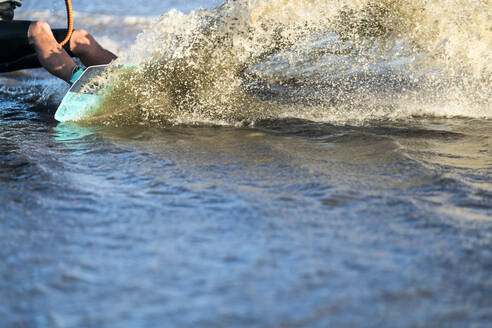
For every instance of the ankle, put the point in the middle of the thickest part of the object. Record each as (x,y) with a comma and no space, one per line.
(77,72)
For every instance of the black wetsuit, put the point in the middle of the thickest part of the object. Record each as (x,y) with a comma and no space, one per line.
(15,51)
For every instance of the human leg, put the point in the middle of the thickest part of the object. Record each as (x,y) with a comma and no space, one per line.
(56,60)
(16,51)
(50,54)
(90,52)
(27,44)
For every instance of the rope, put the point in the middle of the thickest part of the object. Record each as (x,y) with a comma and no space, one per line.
(68,4)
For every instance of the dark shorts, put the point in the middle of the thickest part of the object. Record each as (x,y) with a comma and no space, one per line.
(16,52)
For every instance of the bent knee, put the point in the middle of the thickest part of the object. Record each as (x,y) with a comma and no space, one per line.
(39,28)
(80,38)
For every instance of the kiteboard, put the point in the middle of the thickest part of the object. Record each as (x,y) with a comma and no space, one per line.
(84,97)
(80,102)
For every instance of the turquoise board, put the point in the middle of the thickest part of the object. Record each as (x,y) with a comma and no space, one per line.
(78,103)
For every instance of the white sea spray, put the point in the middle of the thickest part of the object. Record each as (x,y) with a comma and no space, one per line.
(336,61)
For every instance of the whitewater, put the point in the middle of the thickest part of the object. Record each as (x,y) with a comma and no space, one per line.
(330,61)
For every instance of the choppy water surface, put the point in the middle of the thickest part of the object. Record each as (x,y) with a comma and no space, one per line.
(353,202)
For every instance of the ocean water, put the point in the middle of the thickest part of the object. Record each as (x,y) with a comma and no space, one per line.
(266,164)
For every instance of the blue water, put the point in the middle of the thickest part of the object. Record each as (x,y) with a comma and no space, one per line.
(290,223)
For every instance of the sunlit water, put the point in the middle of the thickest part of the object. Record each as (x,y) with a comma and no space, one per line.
(319,220)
